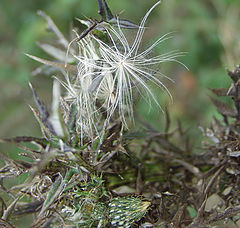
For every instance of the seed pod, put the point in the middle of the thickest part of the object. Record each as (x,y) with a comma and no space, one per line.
(124,211)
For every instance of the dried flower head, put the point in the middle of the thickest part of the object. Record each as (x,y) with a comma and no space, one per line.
(115,68)
(107,73)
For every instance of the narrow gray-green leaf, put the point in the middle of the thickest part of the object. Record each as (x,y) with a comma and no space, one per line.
(53,27)
(95,83)
(72,115)
(52,195)
(46,129)
(42,109)
(63,66)
(55,118)
(10,209)
(56,52)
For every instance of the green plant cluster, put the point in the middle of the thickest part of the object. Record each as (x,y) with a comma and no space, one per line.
(88,169)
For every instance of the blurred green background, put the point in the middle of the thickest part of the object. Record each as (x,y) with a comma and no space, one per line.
(208,31)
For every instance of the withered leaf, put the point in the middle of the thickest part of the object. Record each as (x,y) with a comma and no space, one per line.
(5,224)
(235,74)
(223,108)
(29,139)
(234,154)
(220,91)
(27,208)
(10,208)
